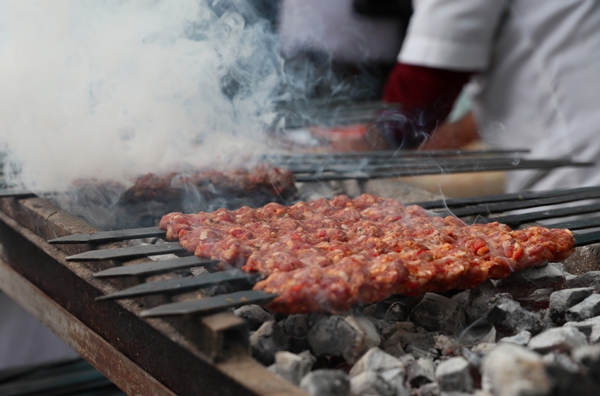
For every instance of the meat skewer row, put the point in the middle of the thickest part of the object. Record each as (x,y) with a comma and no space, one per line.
(327,255)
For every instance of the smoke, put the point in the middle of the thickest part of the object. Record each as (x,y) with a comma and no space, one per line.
(115,88)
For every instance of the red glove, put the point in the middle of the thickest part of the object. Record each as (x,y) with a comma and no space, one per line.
(426,96)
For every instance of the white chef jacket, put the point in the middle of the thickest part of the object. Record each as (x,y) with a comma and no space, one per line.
(539,80)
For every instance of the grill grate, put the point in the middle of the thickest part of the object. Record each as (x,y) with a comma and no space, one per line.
(493,207)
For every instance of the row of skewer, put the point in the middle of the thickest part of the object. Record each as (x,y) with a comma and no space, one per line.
(483,209)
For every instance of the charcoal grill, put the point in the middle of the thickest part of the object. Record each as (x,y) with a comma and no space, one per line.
(155,335)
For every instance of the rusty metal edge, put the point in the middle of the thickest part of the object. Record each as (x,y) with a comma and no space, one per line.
(121,371)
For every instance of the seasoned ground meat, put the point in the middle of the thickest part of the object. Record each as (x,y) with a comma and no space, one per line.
(262,179)
(327,255)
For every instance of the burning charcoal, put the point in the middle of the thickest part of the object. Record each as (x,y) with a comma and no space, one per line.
(595,335)
(481,304)
(559,338)
(385,328)
(454,375)
(513,370)
(586,309)
(521,339)
(376,360)
(463,297)
(254,315)
(589,279)
(326,383)
(348,337)
(410,339)
(509,317)
(538,299)
(296,325)
(589,357)
(293,367)
(371,383)
(562,300)
(522,283)
(584,259)
(266,341)
(447,346)
(431,389)
(421,372)
(568,377)
(397,312)
(376,310)
(438,313)
(585,326)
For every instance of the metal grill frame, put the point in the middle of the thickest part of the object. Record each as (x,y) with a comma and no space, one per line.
(195,356)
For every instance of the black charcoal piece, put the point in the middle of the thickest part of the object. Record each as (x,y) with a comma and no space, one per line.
(266,341)
(438,313)
(293,367)
(454,375)
(371,383)
(296,325)
(562,300)
(557,339)
(589,279)
(412,340)
(586,309)
(254,315)
(376,360)
(326,383)
(421,372)
(338,336)
(523,283)
(509,318)
(585,326)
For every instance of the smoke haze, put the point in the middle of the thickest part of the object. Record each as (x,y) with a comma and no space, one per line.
(115,88)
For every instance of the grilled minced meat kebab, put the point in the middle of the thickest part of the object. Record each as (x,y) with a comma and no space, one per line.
(326,255)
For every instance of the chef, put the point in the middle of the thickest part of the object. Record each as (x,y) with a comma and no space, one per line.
(534,75)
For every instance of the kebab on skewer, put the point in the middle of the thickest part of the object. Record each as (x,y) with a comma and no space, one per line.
(327,255)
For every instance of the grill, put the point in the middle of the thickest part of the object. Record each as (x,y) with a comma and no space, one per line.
(131,309)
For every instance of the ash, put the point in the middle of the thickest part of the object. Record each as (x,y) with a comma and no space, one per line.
(536,332)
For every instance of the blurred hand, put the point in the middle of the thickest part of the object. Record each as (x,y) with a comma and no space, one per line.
(353,138)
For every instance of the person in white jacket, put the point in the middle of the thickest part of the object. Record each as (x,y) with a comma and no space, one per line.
(534,70)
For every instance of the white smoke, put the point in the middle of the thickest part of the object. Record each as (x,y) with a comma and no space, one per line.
(116,88)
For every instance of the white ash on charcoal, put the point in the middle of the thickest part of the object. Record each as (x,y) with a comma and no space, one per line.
(409,339)
(585,259)
(293,367)
(523,283)
(454,375)
(561,300)
(349,337)
(557,339)
(254,315)
(438,313)
(326,382)
(585,326)
(371,383)
(522,339)
(269,339)
(588,308)
(508,317)
(589,279)
(420,372)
